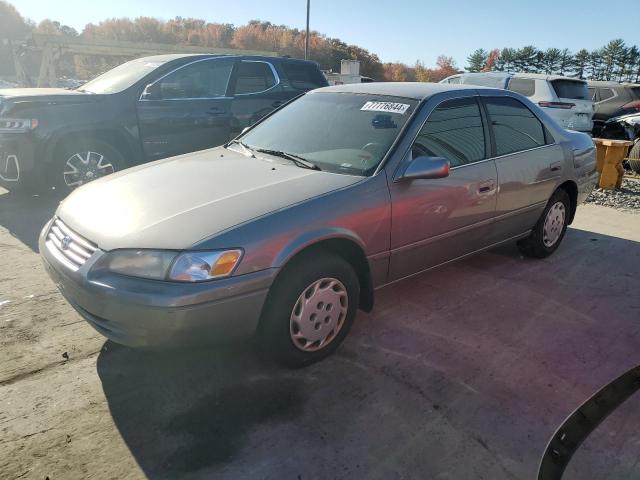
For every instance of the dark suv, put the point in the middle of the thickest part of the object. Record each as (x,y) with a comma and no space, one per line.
(143,110)
(612,99)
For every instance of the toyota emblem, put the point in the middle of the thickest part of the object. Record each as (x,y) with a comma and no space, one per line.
(65,242)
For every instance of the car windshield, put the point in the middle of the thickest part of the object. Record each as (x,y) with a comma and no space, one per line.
(339,132)
(121,77)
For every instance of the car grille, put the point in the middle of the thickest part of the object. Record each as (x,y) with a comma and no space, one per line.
(71,249)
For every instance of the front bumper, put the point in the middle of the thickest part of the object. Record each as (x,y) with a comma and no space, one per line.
(138,312)
(16,159)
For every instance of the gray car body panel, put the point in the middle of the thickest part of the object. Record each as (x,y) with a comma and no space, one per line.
(176,202)
(401,227)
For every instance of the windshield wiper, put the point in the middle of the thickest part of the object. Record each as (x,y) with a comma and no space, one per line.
(298,160)
(247,150)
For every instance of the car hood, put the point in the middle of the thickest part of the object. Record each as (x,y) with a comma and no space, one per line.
(43,95)
(175,203)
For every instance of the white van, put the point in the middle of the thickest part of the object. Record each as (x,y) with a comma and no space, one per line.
(565,99)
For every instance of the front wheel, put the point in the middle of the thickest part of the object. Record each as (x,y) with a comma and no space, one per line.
(78,163)
(550,229)
(310,309)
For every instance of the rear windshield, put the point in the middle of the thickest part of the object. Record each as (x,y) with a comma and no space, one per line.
(304,76)
(571,89)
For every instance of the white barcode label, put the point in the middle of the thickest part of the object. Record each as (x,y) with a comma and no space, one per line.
(389,107)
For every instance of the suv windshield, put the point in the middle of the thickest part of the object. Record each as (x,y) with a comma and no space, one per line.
(121,77)
(571,89)
(313,127)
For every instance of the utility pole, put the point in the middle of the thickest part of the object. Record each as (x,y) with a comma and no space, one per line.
(306,38)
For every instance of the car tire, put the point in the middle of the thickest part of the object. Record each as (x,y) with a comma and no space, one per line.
(91,160)
(306,316)
(550,229)
(634,158)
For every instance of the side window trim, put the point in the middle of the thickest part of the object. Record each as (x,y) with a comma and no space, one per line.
(226,95)
(235,78)
(494,147)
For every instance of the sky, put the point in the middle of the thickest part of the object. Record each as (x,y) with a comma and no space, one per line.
(400,30)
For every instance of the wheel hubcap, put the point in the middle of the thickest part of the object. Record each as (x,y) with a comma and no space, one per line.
(319,314)
(553,224)
(82,167)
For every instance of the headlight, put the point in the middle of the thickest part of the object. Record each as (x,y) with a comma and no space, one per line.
(140,263)
(15,125)
(168,265)
(200,266)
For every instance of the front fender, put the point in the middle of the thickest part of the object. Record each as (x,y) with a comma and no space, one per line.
(314,237)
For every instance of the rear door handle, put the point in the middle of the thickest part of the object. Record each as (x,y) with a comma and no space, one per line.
(277,104)
(215,111)
(555,166)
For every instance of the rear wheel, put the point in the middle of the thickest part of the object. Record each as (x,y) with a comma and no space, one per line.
(550,229)
(81,162)
(310,309)
(634,158)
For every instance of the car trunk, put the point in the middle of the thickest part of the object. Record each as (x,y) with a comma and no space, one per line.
(578,117)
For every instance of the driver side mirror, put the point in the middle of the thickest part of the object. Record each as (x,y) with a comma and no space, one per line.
(426,168)
(151,92)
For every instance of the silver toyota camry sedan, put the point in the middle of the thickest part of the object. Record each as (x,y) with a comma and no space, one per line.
(289,229)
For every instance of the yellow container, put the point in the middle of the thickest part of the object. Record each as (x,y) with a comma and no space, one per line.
(610,154)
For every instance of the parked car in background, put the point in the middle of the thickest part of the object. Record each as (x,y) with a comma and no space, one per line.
(565,99)
(287,230)
(143,110)
(612,99)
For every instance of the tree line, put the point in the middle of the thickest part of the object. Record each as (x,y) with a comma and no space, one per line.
(615,61)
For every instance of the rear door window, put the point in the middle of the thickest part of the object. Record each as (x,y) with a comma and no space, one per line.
(606,94)
(254,77)
(523,86)
(515,127)
(303,76)
(454,131)
(635,92)
(571,89)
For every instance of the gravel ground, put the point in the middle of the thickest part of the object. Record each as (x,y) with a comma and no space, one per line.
(627,198)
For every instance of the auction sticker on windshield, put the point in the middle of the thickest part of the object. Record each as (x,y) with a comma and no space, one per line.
(390,107)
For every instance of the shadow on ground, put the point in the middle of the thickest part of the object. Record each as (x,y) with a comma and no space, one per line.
(463,372)
(24,215)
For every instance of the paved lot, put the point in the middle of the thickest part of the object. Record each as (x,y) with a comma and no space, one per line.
(460,373)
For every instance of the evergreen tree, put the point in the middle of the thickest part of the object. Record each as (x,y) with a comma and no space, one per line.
(551,60)
(477,60)
(581,62)
(566,60)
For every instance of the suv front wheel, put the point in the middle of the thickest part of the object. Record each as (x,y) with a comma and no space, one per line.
(81,162)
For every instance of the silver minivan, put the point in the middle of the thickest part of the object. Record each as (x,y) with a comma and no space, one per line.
(289,229)
(565,99)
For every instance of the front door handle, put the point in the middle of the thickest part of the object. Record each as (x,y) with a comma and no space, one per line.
(215,111)
(486,187)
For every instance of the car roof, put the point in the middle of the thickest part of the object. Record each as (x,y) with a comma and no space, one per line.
(535,76)
(545,76)
(178,56)
(611,83)
(414,90)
